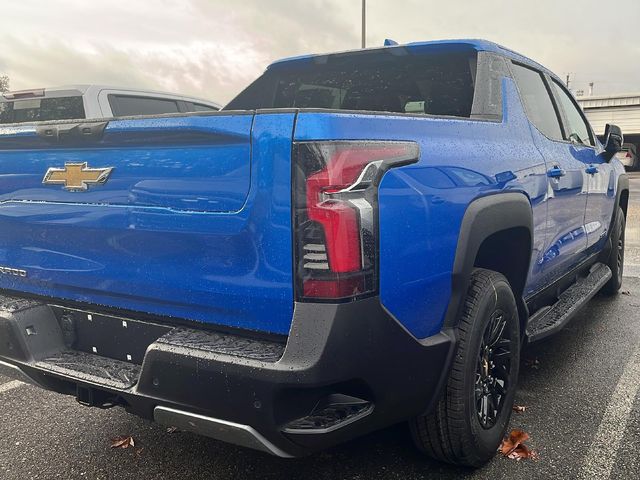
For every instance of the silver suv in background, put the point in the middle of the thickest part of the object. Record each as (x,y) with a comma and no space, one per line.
(93,101)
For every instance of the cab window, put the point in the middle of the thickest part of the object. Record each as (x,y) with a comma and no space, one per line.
(129,105)
(42,109)
(576,128)
(537,101)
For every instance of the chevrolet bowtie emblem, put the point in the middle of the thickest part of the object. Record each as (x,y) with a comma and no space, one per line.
(76,177)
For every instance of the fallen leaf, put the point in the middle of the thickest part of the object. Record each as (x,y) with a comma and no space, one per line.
(519,408)
(515,438)
(626,292)
(172,429)
(522,451)
(123,442)
(118,443)
(513,446)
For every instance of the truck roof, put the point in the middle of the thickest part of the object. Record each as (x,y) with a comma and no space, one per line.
(82,89)
(479,45)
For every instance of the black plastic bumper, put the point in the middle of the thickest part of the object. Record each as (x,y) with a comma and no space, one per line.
(268,395)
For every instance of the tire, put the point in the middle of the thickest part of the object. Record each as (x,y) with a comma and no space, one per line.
(616,256)
(455,431)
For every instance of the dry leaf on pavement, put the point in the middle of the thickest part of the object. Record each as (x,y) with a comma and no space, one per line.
(513,446)
(522,451)
(519,408)
(123,442)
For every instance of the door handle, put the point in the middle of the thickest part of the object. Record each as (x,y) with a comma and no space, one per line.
(556,172)
(591,170)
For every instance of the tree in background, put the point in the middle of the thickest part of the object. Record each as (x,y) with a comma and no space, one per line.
(4,83)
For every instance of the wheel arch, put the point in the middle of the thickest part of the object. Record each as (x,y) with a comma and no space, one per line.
(493,224)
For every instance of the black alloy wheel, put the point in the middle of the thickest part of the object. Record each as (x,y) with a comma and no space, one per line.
(492,373)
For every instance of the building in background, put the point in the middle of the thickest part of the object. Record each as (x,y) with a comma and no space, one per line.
(620,109)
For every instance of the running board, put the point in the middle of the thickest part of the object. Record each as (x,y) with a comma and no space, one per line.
(549,320)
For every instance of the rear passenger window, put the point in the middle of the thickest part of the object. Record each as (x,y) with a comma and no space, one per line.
(537,101)
(128,105)
(577,129)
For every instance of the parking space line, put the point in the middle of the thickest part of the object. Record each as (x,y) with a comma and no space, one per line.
(601,456)
(631,270)
(5,387)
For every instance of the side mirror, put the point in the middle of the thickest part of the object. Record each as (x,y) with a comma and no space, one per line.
(613,140)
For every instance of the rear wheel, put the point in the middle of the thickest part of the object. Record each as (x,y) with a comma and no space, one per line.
(470,420)
(616,256)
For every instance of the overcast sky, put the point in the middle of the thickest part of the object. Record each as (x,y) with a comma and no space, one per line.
(213,48)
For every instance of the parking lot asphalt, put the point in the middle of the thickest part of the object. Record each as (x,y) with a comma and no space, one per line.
(579,387)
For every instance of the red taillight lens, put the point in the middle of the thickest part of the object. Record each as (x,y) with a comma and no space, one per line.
(336,221)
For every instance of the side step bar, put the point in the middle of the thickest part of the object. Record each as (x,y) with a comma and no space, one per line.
(551,319)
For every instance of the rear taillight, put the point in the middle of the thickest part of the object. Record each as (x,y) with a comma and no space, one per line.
(336,214)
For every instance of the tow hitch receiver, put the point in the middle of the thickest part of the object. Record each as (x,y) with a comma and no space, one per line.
(90,397)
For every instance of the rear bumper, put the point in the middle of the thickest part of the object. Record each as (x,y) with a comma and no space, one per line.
(345,370)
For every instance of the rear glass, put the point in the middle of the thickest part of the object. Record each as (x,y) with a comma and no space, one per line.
(435,84)
(41,109)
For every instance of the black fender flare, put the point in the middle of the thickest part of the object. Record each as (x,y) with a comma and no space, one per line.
(623,186)
(484,217)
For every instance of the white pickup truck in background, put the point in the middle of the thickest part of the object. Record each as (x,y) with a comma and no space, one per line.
(93,101)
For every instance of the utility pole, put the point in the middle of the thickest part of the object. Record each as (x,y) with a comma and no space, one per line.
(364,23)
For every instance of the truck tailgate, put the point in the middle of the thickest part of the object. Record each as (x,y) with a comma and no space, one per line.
(190,219)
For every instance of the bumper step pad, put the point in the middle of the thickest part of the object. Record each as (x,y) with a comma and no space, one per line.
(551,319)
(93,369)
(224,344)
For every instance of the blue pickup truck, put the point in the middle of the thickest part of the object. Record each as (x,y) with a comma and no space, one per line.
(358,239)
